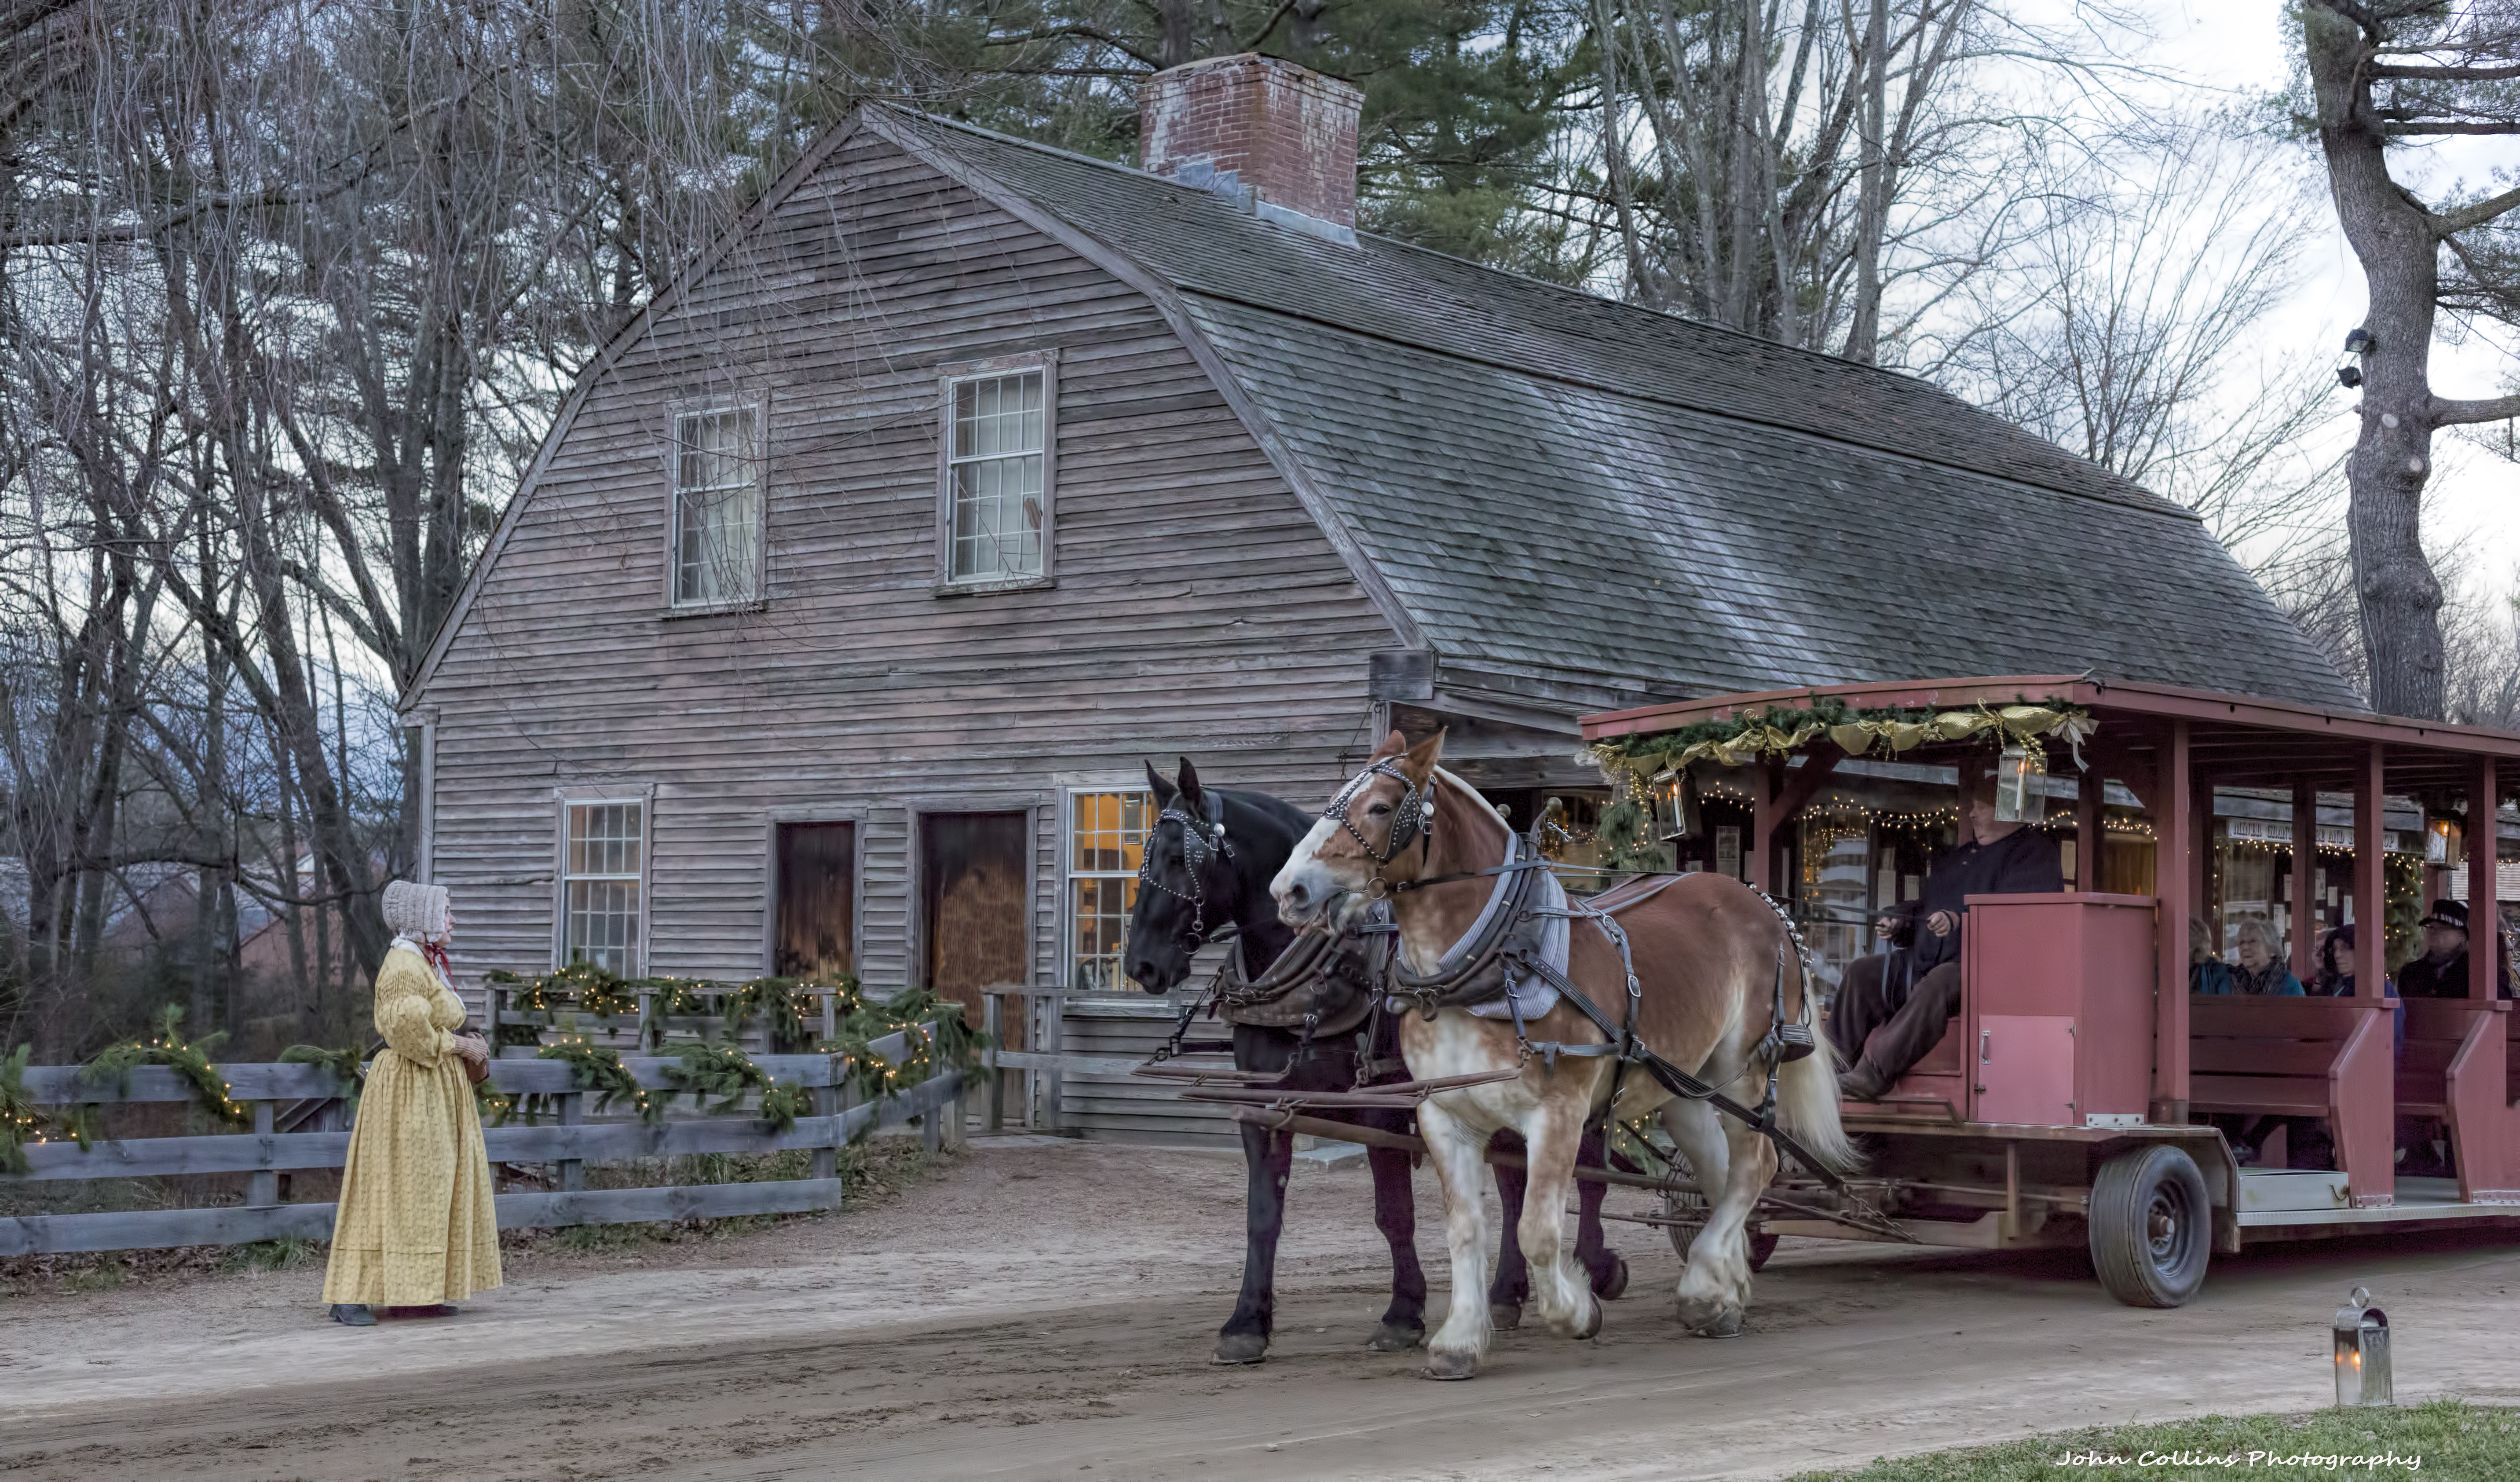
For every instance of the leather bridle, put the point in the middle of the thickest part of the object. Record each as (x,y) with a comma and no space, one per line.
(1202,838)
(1412,822)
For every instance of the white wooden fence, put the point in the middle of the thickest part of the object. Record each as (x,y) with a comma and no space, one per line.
(264,1155)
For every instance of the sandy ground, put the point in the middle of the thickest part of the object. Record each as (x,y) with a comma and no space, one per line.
(1046,1310)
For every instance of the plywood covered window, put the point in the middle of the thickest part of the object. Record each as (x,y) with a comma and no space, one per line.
(603,858)
(998,470)
(817,909)
(1107,842)
(975,888)
(716,551)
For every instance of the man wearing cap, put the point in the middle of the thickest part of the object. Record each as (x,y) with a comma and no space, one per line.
(2441,972)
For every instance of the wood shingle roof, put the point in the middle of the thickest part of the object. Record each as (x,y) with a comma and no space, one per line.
(1558,486)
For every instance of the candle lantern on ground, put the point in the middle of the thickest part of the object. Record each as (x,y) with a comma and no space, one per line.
(2362,1352)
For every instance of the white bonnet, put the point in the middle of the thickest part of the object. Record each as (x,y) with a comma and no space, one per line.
(418,912)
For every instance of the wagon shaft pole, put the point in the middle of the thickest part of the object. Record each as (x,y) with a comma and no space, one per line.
(1349,1132)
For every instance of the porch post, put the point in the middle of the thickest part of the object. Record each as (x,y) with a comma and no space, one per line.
(2371,876)
(1767,780)
(2174,836)
(2089,795)
(2305,881)
(2484,912)
(2200,864)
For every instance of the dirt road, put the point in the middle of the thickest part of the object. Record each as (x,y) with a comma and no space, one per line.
(1046,1312)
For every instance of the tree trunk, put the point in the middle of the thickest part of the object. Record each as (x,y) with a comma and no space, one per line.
(2392,237)
(1872,212)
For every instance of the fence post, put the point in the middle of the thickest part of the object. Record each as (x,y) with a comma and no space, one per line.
(262,1186)
(1054,1039)
(831,1013)
(647,1011)
(993,1022)
(827,1104)
(572,1114)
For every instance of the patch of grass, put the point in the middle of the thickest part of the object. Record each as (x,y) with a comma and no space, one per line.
(2443,1438)
(285,1254)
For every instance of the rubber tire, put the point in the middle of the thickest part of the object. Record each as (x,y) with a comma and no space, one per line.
(2138,1189)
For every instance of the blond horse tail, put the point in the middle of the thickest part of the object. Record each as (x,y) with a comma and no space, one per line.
(1807,1104)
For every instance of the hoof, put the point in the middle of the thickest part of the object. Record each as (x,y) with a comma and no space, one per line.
(1241,1348)
(1611,1284)
(1592,1322)
(1708,1321)
(1450,1365)
(1393,1337)
(1505,1317)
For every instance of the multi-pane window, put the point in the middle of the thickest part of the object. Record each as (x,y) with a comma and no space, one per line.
(717,506)
(602,862)
(1107,843)
(997,516)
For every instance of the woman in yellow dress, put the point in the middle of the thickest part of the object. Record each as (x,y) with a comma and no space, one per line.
(417,1228)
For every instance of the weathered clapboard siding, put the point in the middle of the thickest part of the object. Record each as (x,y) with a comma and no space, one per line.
(1198,607)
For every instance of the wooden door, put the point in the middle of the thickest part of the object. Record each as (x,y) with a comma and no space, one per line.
(976,899)
(818,880)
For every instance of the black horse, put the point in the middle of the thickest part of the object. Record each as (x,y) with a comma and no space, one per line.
(1209,859)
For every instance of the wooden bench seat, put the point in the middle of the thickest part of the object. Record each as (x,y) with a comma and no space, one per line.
(2329,1058)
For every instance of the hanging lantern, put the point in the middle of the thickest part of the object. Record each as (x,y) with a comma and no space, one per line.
(2362,1352)
(2445,843)
(2018,794)
(1676,807)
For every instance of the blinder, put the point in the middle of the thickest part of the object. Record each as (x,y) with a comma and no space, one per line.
(1413,822)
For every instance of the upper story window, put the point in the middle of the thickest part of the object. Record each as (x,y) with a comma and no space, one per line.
(1000,430)
(716,556)
(603,857)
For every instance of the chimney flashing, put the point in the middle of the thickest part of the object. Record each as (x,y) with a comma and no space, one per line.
(1298,221)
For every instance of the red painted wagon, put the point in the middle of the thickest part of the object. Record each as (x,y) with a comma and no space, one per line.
(2082,1095)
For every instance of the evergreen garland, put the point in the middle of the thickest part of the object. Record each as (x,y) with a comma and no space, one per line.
(1781,730)
(188,1059)
(348,1066)
(22,1121)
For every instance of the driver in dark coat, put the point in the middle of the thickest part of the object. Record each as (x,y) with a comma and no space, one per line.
(1881,1030)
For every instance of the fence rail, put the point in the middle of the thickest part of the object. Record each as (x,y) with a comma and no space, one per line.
(263,1154)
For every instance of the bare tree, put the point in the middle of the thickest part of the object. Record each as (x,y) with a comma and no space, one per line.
(2123,318)
(2382,73)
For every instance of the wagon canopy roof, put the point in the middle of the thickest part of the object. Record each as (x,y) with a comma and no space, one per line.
(2233,740)
(1582,492)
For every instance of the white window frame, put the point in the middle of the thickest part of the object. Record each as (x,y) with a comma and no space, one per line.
(645,800)
(1044,363)
(676,414)
(1068,875)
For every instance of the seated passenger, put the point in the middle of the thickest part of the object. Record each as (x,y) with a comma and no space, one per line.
(1885,1038)
(2206,973)
(2262,968)
(2441,972)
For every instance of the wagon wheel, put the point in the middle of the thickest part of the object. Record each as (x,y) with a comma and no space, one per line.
(2151,1227)
(1689,1208)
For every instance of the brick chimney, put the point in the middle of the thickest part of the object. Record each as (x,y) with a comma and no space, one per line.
(1259,129)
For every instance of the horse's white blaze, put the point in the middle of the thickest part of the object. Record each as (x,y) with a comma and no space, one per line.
(1321,886)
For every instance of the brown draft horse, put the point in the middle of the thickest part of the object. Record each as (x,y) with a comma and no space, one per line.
(1706,951)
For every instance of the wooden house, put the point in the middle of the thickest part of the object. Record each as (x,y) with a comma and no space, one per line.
(859,574)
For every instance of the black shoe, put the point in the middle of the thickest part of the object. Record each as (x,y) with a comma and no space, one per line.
(1863,1084)
(353,1315)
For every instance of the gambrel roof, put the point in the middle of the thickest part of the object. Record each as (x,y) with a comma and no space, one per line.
(1556,485)
(1578,499)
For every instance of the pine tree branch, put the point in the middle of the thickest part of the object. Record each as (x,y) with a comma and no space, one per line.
(2444,223)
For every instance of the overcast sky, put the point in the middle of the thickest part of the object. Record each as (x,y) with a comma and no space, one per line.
(2241,46)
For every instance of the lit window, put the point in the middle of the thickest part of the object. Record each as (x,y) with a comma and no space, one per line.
(717,506)
(997,477)
(603,860)
(1107,843)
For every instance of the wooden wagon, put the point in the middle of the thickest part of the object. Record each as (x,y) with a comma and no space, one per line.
(2082,1094)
